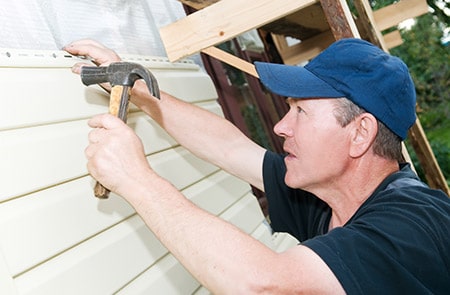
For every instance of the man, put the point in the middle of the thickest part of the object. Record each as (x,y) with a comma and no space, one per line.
(366,223)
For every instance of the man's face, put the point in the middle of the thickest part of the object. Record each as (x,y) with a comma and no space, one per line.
(316,145)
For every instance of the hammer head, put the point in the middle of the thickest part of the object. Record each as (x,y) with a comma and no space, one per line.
(120,73)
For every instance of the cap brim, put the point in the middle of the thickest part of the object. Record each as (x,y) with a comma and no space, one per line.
(294,81)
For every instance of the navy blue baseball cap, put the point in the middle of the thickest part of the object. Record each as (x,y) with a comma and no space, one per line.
(356,69)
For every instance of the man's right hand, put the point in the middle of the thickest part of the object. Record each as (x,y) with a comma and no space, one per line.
(205,134)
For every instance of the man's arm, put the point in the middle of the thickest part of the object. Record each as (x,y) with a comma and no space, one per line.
(205,134)
(221,256)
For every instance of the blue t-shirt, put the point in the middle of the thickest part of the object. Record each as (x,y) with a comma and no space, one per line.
(398,241)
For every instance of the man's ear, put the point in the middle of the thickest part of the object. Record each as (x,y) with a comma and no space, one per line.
(365,128)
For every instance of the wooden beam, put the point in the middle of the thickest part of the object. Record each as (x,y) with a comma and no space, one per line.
(418,138)
(340,19)
(232,60)
(433,173)
(198,4)
(302,24)
(394,14)
(309,48)
(366,19)
(393,39)
(211,26)
(303,51)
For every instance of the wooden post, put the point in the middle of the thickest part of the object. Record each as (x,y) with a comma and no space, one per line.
(426,157)
(255,14)
(211,25)
(419,141)
(340,19)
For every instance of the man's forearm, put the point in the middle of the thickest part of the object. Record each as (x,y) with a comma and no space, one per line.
(218,254)
(205,134)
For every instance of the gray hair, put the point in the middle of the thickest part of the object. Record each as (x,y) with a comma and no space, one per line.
(387,144)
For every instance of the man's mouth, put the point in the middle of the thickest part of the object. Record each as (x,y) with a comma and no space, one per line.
(288,153)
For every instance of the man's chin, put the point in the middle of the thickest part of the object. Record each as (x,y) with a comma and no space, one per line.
(292,183)
(296,184)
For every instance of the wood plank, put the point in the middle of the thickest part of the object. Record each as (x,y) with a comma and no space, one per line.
(232,60)
(419,141)
(341,23)
(366,19)
(394,14)
(208,27)
(426,157)
(305,50)
(393,39)
(302,24)
(340,19)
(198,4)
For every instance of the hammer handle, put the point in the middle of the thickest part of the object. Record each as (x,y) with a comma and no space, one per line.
(118,106)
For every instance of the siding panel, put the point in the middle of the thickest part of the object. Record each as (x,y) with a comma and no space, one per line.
(100,265)
(55,237)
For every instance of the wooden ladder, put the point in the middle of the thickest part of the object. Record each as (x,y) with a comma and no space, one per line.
(319,23)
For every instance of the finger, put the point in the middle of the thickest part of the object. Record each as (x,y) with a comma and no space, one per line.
(99,55)
(95,135)
(106,121)
(79,47)
(89,151)
(76,68)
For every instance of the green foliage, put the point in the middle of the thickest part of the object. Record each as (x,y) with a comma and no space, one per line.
(428,61)
(255,126)
(441,151)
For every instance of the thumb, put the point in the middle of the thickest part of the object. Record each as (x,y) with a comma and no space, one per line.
(76,68)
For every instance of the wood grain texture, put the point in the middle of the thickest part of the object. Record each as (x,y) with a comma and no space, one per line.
(212,25)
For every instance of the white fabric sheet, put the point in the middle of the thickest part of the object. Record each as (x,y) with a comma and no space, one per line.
(127,26)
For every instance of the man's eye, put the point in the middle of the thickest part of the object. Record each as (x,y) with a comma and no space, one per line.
(299,110)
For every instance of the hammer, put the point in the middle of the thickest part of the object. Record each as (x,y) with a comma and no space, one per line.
(122,76)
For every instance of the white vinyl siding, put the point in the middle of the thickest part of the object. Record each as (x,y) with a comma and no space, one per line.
(55,236)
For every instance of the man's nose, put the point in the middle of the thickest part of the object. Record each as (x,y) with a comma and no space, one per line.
(283,127)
